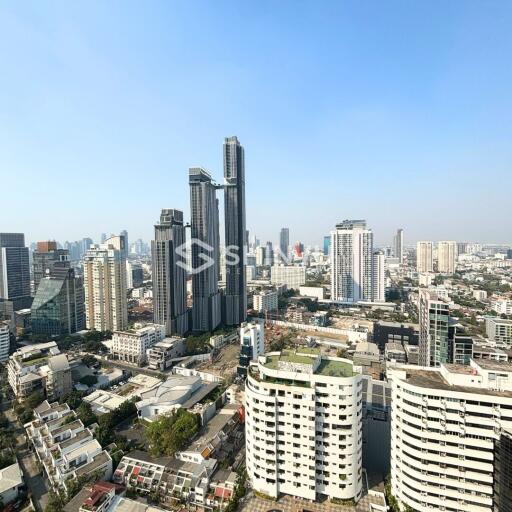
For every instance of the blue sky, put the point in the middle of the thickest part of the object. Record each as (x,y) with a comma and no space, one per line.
(397,112)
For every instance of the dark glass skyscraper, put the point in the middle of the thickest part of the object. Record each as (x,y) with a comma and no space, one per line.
(58,304)
(14,270)
(205,257)
(47,257)
(169,273)
(235,305)
(284,244)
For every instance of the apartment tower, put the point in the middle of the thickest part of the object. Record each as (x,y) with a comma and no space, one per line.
(205,248)
(169,273)
(235,299)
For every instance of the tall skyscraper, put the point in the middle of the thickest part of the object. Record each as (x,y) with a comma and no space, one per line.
(56,309)
(434,340)
(424,257)
(235,300)
(351,262)
(204,231)
(398,245)
(14,270)
(446,256)
(284,244)
(379,277)
(269,254)
(126,250)
(46,258)
(105,286)
(327,245)
(169,273)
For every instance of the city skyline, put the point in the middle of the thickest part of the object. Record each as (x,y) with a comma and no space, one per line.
(329,103)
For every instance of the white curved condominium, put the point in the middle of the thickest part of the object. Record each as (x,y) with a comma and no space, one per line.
(303,425)
(448,433)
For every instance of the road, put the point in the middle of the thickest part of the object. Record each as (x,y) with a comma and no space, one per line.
(36,483)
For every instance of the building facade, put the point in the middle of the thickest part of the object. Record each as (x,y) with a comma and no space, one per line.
(398,245)
(446,257)
(58,307)
(447,423)
(169,273)
(14,270)
(265,300)
(424,257)
(304,426)
(351,262)
(284,244)
(5,341)
(45,259)
(132,345)
(379,277)
(235,298)
(499,329)
(292,276)
(205,249)
(252,342)
(106,307)
(434,337)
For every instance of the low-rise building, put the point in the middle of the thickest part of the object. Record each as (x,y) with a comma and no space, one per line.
(384,332)
(64,446)
(316,292)
(499,329)
(40,367)
(502,306)
(479,295)
(161,354)
(395,352)
(487,351)
(11,483)
(131,345)
(175,392)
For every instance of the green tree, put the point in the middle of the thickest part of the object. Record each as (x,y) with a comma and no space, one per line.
(55,503)
(34,399)
(74,399)
(171,432)
(88,380)
(85,413)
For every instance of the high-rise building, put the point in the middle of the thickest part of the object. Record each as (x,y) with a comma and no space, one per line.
(260,256)
(424,257)
(46,258)
(265,300)
(5,341)
(446,257)
(252,343)
(204,230)
(56,310)
(434,339)
(14,270)
(135,275)
(235,298)
(269,254)
(327,245)
(450,429)
(126,250)
(105,286)
(169,273)
(398,245)
(284,244)
(351,262)
(303,425)
(379,277)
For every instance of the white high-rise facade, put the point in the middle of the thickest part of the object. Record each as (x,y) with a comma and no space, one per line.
(379,277)
(106,307)
(252,341)
(351,262)
(450,436)
(292,276)
(5,341)
(446,256)
(424,257)
(303,425)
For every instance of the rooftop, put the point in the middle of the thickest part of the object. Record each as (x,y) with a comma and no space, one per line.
(329,367)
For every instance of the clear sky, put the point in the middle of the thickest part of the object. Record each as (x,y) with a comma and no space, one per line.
(397,112)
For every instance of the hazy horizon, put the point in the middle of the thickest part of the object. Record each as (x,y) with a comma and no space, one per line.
(397,113)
